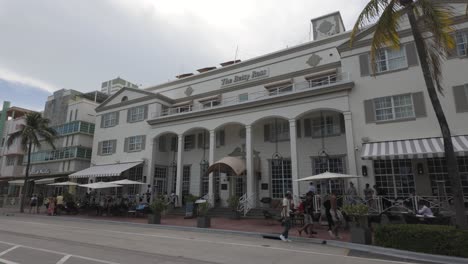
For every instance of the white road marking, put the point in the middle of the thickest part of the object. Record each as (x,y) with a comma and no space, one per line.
(5,261)
(68,228)
(65,258)
(8,250)
(53,252)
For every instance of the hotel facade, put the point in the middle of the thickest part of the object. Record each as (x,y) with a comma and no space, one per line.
(253,128)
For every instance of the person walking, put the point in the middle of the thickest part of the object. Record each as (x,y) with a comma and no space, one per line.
(351,194)
(51,209)
(286,215)
(312,188)
(33,203)
(336,215)
(307,209)
(369,195)
(59,204)
(40,202)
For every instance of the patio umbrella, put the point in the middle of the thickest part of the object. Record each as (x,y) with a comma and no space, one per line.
(100,185)
(67,183)
(328,176)
(126,182)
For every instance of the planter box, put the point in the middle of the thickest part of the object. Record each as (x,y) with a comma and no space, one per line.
(203,221)
(361,235)
(235,215)
(154,219)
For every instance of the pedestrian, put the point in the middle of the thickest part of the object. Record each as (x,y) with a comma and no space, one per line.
(351,194)
(307,208)
(40,202)
(369,195)
(312,188)
(336,215)
(33,203)
(59,204)
(286,215)
(51,209)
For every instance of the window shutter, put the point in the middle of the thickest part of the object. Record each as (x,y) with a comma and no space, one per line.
(307,128)
(298,128)
(99,151)
(461,98)
(143,143)
(266,132)
(418,104)
(364,64)
(145,112)
(411,55)
(222,138)
(342,124)
(369,111)
(128,114)
(162,144)
(114,145)
(126,145)
(102,121)
(117,117)
(200,140)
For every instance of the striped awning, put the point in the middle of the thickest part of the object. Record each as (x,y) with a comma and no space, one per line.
(413,148)
(104,170)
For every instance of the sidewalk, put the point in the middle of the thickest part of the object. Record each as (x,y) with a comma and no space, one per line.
(220,223)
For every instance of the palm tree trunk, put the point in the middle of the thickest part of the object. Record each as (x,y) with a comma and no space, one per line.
(26,178)
(452,166)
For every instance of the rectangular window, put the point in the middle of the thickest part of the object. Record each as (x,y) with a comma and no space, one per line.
(280,90)
(174,143)
(136,114)
(281,179)
(440,183)
(327,125)
(134,174)
(10,160)
(109,119)
(332,164)
(183,108)
(135,143)
(391,59)
(243,97)
(220,138)
(210,104)
(394,178)
(186,180)
(189,142)
(461,39)
(394,107)
(205,181)
(160,180)
(107,147)
(279,131)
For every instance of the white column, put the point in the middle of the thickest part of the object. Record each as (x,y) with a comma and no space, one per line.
(211,161)
(249,164)
(350,143)
(179,168)
(294,167)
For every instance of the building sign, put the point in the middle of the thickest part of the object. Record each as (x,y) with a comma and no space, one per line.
(39,171)
(245,77)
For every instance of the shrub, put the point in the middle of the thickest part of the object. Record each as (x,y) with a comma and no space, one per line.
(233,202)
(203,209)
(158,205)
(432,239)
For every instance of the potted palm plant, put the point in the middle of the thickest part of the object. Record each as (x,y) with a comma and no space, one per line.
(203,220)
(233,203)
(156,208)
(359,227)
(189,205)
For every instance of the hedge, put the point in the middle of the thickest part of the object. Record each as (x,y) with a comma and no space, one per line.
(432,239)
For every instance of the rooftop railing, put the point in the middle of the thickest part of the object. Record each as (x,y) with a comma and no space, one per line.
(311,84)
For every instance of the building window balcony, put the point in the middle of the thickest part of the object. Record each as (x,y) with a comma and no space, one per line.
(75,127)
(60,154)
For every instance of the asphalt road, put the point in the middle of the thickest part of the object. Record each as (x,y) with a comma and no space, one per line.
(40,240)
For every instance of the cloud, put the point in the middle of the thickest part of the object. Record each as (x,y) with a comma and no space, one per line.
(25,80)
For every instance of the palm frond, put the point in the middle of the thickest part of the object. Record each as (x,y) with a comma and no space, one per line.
(14,136)
(369,15)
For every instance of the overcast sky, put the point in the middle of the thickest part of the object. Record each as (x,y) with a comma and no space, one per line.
(77,44)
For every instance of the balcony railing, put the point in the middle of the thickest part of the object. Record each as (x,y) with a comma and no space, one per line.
(312,84)
(74,127)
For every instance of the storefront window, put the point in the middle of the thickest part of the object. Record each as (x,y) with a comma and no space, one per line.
(440,183)
(394,178)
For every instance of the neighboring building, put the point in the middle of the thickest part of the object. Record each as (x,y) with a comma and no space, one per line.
(11,158)
(113,86)
(297,112)
(72,115)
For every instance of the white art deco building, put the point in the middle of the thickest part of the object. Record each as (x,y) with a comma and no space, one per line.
(261,124)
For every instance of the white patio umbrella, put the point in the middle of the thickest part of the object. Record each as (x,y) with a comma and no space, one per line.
(126,182)
(100,185)
(328,176)
(67,183)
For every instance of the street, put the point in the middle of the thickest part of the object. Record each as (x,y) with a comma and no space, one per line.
(58,240)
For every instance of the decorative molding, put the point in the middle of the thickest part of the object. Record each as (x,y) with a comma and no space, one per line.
(188,91)
(325,27)
(314,60)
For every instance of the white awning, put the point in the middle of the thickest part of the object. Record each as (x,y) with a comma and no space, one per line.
(16,182)
(328,176)
(104,170)
(413,148)
(45,181)
(229,164)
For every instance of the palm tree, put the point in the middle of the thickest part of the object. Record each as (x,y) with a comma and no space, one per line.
(431,27)
(31,134)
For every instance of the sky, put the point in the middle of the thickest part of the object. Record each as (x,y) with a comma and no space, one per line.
(78,44)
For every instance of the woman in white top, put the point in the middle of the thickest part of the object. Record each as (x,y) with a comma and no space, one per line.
(424,211)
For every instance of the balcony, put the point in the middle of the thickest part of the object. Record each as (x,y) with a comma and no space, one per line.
(309,85)
(60,154)
(75,127)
